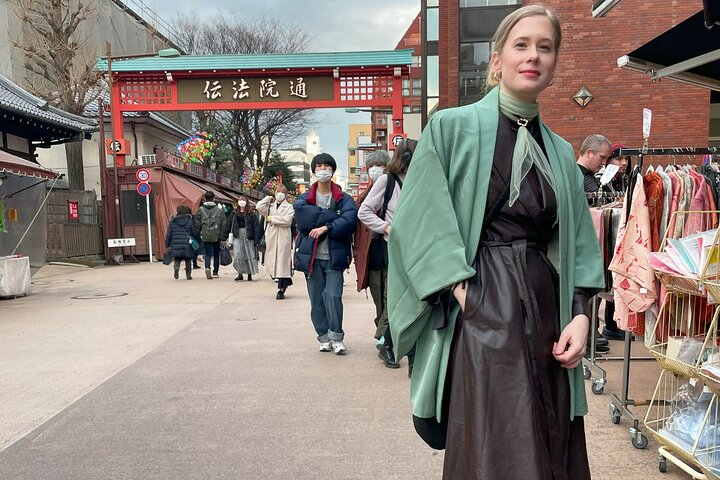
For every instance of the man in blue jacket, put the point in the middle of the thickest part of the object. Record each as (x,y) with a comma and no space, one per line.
(326,219)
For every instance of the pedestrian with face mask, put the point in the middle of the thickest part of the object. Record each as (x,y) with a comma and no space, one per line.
(241,226)
(365,242)
(326,218)
(376,213)
(278,214)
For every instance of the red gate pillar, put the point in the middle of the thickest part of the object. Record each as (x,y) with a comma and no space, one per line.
(397,105)
(117,122)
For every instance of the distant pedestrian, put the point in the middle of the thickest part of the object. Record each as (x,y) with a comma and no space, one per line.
(594,154)
(377,212)
(364,243)
(326,219)
(278,214)
(209,220)
(180,235)
(240,233)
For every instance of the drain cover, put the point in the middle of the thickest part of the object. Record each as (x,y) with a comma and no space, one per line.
(95,296)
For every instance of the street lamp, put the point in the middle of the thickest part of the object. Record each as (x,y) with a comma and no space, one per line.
(368,110)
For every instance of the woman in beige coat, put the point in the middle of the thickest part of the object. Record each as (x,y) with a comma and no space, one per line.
(278,214)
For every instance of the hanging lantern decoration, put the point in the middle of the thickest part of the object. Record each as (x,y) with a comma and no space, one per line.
(197,148)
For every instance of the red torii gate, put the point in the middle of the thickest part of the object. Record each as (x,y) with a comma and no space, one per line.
(173,82)
(169,81)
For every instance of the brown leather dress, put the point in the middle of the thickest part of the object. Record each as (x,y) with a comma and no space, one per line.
(508,410)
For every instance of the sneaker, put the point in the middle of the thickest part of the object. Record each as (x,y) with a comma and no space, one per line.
(325,347)
(215,274)
(208,274)
(380,342)
(339,347)
(388,357)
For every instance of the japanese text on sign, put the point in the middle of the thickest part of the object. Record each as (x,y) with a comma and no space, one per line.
(121,242)
(255,89)
(213,90)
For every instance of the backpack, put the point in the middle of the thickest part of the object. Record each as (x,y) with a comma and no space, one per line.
(389,189)
(209,228)
(377,255)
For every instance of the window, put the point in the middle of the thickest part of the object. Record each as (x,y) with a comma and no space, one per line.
(416,61)
(416,87)
(474,62)
(487,3)
(433,28)
(433,75)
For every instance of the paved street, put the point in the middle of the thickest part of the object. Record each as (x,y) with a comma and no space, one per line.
(125,373)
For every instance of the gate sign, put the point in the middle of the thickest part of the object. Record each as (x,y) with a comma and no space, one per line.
(118,146)
(143,189)
(397,140)
(73,210)
(142,175)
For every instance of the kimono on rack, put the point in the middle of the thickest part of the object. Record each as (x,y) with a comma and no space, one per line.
(633,278)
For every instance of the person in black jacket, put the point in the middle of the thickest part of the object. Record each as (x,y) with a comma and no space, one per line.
(241,233)
(326,219)
(180,233)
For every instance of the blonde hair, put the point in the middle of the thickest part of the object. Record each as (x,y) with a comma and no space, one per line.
(503,32)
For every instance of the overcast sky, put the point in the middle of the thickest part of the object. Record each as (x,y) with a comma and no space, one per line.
(334,26)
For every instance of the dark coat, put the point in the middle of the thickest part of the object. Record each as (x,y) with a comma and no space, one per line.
(251,226)
(180,229)
(340,219)
(361,249)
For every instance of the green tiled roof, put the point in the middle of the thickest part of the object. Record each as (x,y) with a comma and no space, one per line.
(199,63)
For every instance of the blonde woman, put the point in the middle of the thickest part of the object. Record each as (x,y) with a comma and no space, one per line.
(493,256)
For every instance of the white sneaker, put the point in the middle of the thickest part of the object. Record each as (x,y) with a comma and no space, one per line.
(325,347)
(339,347)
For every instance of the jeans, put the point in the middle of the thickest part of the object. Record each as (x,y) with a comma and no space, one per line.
(325,288)
(212,249)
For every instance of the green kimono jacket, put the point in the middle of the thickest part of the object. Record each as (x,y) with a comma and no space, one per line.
(436,232)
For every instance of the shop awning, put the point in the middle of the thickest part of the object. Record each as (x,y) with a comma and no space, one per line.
(19,166)
(689,52)
(219,195)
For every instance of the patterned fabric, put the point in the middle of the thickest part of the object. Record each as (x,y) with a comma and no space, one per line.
(633,279)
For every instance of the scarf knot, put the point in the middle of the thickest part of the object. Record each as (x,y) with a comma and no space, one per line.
(527,151)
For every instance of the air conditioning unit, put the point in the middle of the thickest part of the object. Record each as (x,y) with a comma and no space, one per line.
(146,160)
(380,133)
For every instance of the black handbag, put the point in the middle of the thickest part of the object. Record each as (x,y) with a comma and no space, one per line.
(225,256)
(167,259)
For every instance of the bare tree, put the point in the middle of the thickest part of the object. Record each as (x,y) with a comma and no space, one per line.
(246,136)
(59,62)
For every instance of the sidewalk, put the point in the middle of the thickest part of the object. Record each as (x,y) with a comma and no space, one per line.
(125,373)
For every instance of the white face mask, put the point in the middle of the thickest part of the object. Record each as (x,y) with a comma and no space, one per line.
(279,196)
(242,203)
(375,172)
(324,176)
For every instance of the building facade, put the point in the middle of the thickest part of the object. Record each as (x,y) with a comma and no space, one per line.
(457,51)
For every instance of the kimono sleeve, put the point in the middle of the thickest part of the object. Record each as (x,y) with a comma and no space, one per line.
(589,272)
(426,243)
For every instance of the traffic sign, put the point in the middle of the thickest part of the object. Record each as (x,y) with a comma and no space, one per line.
(144,189)
(142,175)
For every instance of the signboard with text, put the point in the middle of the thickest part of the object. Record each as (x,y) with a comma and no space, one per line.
(118,146)
(73,210)
(255,89)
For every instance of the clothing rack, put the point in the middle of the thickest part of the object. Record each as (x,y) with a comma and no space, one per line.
(620,405)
